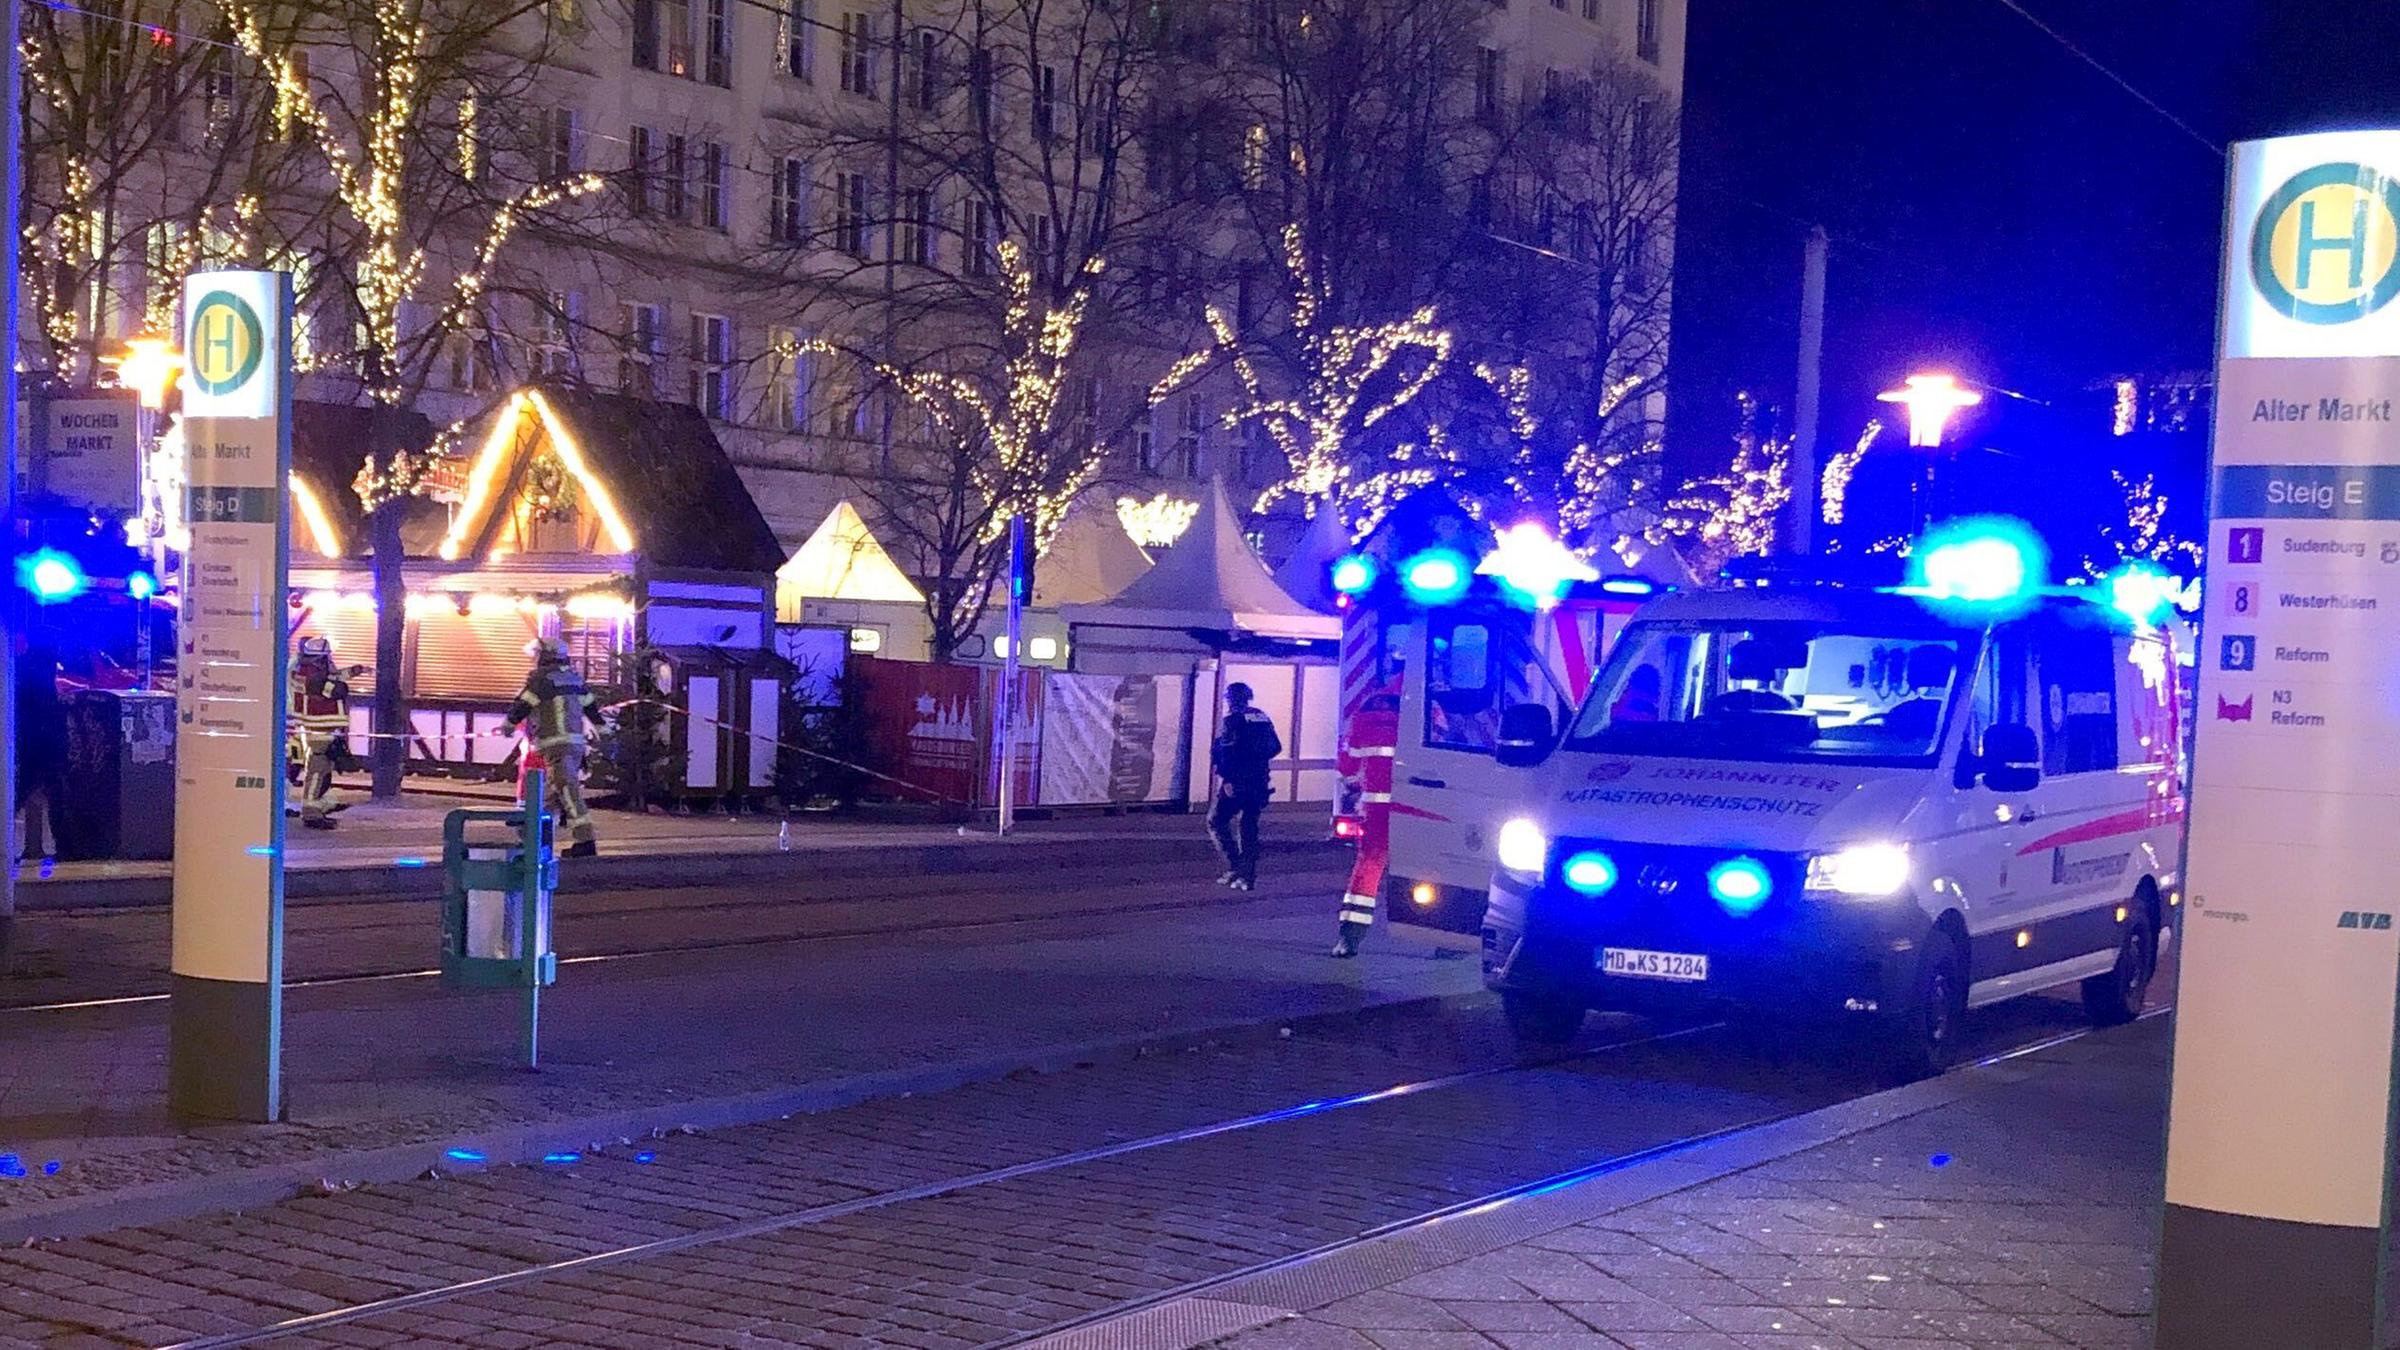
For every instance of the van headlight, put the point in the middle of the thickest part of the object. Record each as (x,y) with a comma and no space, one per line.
(1523,848)
(1861,869)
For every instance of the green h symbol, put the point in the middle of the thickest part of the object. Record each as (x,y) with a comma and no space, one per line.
(2353,243)
(218,337)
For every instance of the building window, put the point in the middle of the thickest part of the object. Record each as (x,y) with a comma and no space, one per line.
(645,348)
(1591,10)
(1192,439)
(929,69)
(675,179)
(714,210)
(1645,30)
(645,34)
(641,162)
(555,317)
(979,84)
(916,227)
(1254,157)
(675,28)
(218,87)
(712,365)
(787,207)
(784,406)
(850,214)
(1045,102)
(795,38)
(557,149)
(1487,81)
(471,355)
(858,54)
(719,45)
(1145,440)
(1558,4)
(975,230)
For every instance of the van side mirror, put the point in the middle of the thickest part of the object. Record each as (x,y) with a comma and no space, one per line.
(2012,758)
(1526,735)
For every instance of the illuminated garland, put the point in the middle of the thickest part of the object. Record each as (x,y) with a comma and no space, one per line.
(2144,535)
(1157,522)
(1337,362)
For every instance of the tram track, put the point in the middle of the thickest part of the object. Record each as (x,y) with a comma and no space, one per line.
(912,927)
(821,1214)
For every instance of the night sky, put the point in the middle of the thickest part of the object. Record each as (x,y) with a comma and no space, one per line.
(1997,207)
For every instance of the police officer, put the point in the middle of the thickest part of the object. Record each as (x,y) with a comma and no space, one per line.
(1368,756)
(557,703)
(1246,744)
(317,727)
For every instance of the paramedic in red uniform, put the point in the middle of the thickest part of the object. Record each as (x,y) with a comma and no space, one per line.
(1368,756)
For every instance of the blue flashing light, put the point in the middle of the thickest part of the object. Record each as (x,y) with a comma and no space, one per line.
(1627,586)
(1437,576)
(52,576)
(1939,1160)
(48,869)
(1590,873)
(260,850)
(645,1157)
(2142,593)
(1740,885)
(562,1158)
(11,1165)
(1980,561)
(141,585)
(410,862)
(50,1168)
(465,1155)
(1354,574)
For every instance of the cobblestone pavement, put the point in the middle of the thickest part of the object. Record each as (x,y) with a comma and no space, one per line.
(2022,1215)
(961,1269)
(379,1064)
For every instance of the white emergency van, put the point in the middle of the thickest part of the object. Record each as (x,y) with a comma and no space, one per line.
(1847,805)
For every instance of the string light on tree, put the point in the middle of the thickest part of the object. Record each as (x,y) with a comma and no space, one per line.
(1733,514)
(1833,490)
(1337,364)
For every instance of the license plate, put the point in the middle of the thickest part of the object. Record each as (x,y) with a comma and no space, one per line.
(1682,967)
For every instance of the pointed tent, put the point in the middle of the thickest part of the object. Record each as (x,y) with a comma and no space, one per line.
(1308,574)
(1091,560)
(841,561)
(1211,579)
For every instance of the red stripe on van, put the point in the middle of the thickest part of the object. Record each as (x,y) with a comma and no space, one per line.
(2123,822)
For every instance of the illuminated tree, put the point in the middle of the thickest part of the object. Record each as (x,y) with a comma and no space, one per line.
(403,103)
(2143,535)
(1341,379)
(1737,513)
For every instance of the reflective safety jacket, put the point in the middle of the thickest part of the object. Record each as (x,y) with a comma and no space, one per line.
(317,701)
(557,703)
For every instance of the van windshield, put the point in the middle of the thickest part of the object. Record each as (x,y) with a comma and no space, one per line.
(1794,691)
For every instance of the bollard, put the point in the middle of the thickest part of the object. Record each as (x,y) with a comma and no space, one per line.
(496,907)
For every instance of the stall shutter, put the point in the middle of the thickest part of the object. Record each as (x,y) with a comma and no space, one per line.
(701,702)
(472,656)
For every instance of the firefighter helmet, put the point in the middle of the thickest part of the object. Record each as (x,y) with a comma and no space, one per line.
(548,651)
(316,648)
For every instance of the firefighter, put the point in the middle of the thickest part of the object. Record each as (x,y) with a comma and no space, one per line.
(557,704)
(316,727)
(1246,744)
(1368,756)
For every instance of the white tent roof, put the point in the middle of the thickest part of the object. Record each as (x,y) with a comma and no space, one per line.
(1091,559)
(1210,579)
(843,561)
(1307,575)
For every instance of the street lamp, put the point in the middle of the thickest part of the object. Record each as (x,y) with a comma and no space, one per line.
(1931,401)
(149,368)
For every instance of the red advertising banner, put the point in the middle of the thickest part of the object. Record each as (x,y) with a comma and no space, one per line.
(925,727)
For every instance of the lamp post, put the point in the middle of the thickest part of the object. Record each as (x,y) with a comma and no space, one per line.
(149,366)
(1931,401)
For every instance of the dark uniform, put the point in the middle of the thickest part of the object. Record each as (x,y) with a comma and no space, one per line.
(1246,744)
(557,704)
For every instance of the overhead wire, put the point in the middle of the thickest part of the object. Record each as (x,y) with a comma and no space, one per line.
(2112,76)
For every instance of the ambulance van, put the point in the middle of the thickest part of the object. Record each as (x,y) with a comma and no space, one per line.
(1843,805)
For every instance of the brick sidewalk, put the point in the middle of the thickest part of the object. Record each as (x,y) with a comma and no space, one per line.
(383,1076)
(2005,1207)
